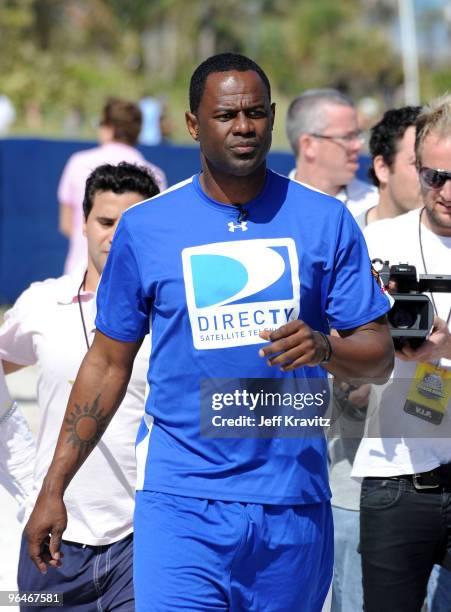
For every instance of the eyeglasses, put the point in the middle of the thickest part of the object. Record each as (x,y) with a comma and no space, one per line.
(433,179)
(346,138)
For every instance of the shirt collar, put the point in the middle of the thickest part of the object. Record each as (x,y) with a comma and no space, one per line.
(292,176)
(354,190)
(68,291)
(232,209)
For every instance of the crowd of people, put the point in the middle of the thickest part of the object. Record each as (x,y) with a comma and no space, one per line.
(274,281)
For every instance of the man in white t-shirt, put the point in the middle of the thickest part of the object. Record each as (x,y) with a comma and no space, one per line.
(52,325)
(323,130)
(406,462)
(392,148)
(393,165)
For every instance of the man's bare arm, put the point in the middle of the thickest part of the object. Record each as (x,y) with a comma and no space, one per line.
(66,219)
(96,395)
(361,353)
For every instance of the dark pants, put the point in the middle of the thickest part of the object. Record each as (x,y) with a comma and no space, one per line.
(403,532)
(91,579)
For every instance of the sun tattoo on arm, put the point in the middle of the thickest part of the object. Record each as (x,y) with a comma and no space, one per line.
(85,426)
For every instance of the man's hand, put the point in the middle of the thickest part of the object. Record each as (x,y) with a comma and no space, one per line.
(364,352)
(437,346)
(293,345)
(350,406)
(44,531)
(358,396)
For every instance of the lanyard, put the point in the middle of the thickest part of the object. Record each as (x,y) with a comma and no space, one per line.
(81,310)
(424,265)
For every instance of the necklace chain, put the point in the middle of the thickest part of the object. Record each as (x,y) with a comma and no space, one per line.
(85,331)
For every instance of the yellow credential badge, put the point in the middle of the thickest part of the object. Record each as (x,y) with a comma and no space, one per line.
(429,393)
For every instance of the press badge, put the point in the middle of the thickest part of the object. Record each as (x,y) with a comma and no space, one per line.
(429,393)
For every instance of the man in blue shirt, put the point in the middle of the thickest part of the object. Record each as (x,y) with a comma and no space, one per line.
(239,272)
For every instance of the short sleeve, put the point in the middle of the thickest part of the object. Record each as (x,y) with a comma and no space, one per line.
(122,310)
(17,332)
(354,295)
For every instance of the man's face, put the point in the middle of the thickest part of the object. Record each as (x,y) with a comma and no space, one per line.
(436,154)
(233,122)
(102,221)
(403,185)
(337,157)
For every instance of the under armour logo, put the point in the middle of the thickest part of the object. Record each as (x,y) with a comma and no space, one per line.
(236,226)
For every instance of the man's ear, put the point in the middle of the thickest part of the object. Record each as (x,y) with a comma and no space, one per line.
(381,170)
(273,111)
(84,228)
(192,125)
(307,144)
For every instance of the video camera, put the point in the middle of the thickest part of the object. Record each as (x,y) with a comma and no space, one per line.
(412,315)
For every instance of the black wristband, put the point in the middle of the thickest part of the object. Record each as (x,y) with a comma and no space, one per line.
(328,346)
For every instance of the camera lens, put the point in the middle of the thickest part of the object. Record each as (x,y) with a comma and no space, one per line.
(401,318)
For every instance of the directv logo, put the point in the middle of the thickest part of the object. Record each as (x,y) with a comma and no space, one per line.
(236,226)
(234,290)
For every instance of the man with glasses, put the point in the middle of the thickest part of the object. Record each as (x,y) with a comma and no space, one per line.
(406,492)
(322,127)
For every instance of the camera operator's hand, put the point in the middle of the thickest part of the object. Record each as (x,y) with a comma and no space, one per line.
(392,286)
(350,405)
(357,396)
(360,396)
(437,346)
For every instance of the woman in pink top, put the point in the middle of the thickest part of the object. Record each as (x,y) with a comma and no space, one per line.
(119,129)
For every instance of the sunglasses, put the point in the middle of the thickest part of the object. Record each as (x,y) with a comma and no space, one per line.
(434,179)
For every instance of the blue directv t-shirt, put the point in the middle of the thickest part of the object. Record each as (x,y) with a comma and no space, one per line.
(183,265)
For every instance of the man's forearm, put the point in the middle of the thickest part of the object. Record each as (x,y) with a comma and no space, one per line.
(447,349)
(97,393)
(366,354)
(66,220)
